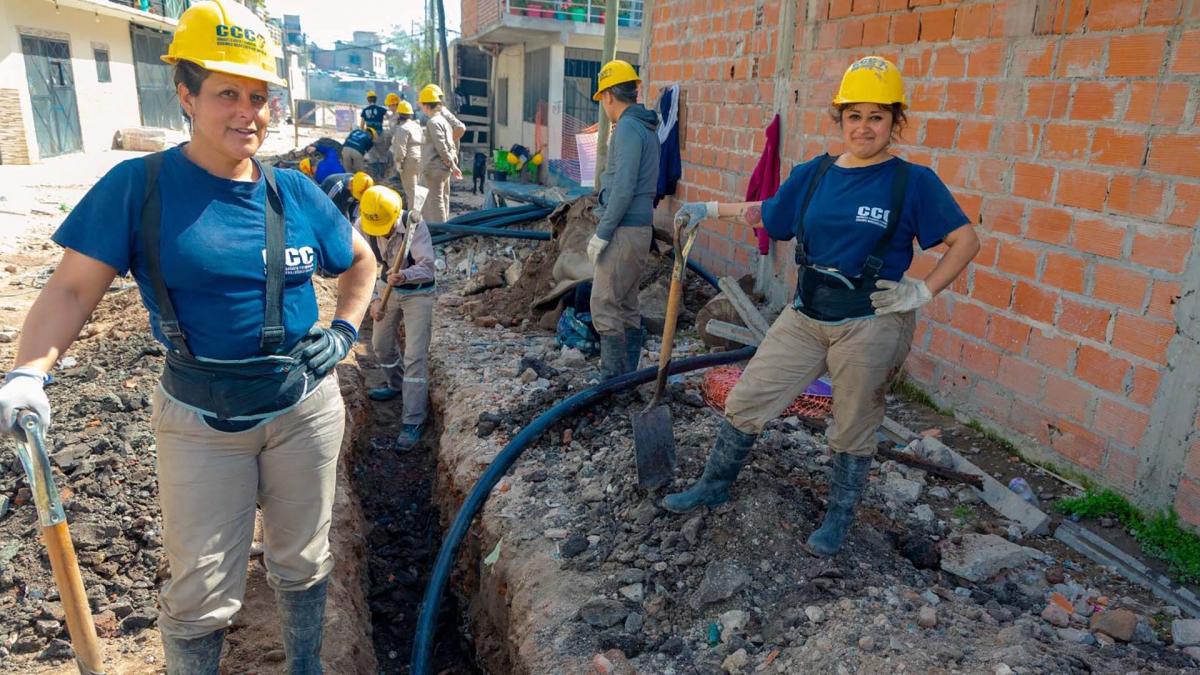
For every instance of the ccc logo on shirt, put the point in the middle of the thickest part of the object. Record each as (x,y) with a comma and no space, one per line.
(873,215)
(296,260)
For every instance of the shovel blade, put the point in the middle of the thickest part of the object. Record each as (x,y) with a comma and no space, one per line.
(654,447)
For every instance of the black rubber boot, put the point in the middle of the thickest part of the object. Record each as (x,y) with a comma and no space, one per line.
(845,489)
(635,338)
(195,656)
(612,356)
(724,463)
(302,615)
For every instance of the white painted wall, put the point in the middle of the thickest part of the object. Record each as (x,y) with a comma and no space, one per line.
(103,107)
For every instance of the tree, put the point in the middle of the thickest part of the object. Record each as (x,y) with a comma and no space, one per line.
(415,54)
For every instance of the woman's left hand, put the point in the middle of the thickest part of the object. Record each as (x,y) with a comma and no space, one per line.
(330,347)
(900,296)
(396,278)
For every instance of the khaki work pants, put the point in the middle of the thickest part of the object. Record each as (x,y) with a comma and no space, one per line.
(407,370)
(353,160)
(209,482)
(437,203)
(862,357)
(408,180)
(615,283)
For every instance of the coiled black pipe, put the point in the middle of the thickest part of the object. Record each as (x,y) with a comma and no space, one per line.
(432,602)
(503,218)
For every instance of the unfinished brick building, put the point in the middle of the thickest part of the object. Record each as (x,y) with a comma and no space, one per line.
(1066,129)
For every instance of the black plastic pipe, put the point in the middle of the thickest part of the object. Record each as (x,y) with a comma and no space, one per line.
(480,230)
(431,604)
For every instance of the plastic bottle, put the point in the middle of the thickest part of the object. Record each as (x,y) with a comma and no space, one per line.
(1019,486)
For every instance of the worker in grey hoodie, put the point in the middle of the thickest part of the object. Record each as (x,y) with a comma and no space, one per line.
(619,248)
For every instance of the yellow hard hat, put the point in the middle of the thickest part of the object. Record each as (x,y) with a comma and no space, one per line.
(537,159)
(371,93)
(512,158)
(613,73)
(404,108)
(872,79)
(306,167)
(223,36)
(360,183)
(379,208)
(392,99)
(371,130)
(430,93)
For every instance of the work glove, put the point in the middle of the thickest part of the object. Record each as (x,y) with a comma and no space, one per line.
(691,213)
(330,347)
(22,390)
(595,247)
(900,296)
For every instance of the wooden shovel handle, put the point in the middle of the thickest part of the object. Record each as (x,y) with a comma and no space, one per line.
(88,654)
(683,244)
(405,248)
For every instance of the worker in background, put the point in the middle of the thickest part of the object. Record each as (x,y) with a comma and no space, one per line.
(355,148)
(854,217)
(439,160)
(413,289)
(619,248)
(346,190)
(456,124)
(231,427)
(373,115)
(407,137)
(326,162)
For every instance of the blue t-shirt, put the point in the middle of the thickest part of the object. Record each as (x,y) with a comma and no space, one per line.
(848,214)
(330,163)
(359,140)
(213,243)
(374,115)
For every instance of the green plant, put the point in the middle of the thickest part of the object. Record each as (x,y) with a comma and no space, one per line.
(1158,535)
(964,513)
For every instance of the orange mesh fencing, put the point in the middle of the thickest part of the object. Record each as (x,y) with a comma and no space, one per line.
(719,381)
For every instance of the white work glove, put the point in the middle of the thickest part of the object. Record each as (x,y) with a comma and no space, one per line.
(595,247)
(692,213)
(22,390)
(900,296)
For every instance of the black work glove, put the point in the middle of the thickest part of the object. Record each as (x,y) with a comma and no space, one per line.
(331,346)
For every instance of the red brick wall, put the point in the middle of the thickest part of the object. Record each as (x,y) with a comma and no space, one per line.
(1065,128)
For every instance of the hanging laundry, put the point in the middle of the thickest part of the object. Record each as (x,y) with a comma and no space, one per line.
(670,168)
(765,179)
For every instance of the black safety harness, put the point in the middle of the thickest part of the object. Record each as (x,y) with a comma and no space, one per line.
(245,389)
(827,294)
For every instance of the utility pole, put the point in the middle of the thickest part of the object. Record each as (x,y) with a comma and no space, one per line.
(610,53)
(447,81)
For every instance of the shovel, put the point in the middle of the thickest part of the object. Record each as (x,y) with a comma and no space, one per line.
(653,434)
(410,226)
(36,462)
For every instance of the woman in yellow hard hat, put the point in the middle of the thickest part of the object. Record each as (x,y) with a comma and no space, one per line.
(413,290)
(407,137)
(223,249)
(621,244)
(855,217)
(439,157)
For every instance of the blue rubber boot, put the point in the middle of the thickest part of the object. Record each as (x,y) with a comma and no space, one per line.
(195,656)
(302,615)
(635,338)
(722,468)
(612,356)
(383,394)
(845,490)
(410,435)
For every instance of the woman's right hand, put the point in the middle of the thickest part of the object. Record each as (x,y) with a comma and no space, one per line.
(23,390)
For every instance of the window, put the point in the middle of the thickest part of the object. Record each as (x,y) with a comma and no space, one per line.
(537,83)
(103,72)
(355,59)
(502,101)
